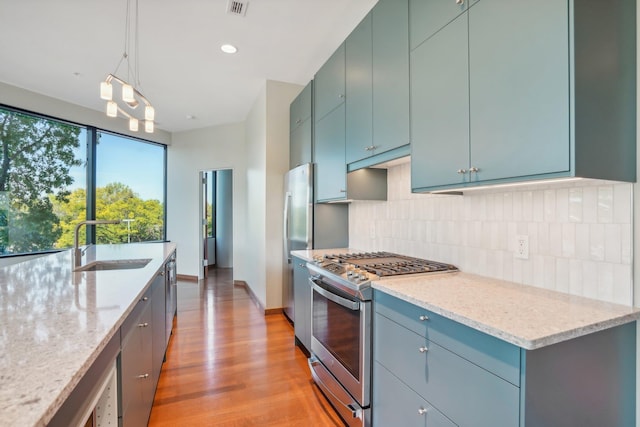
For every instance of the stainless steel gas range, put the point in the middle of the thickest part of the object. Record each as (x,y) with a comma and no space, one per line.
(341,345)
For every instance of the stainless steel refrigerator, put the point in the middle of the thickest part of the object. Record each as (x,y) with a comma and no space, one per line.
(308,225)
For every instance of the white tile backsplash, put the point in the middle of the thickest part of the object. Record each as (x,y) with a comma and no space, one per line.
(579,233)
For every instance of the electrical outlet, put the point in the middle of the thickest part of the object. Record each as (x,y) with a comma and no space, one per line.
(522,246)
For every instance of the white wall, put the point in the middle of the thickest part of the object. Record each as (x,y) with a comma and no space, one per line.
(579,233)
(267,130)
(256,131)
(219,147)
(279,97)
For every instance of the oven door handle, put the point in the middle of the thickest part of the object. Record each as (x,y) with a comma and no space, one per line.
(346,303)
(317,372)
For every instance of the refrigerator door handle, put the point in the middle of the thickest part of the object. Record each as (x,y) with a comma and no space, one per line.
(287,255)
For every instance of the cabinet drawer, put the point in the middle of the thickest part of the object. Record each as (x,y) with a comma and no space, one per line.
(395,404)
(490,353)
(131,322)
(466,393)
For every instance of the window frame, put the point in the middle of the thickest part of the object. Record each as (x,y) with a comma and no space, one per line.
(91,179)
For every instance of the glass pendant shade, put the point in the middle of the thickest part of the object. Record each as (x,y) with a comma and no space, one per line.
(127,93)
(112,109)
(106,91)
(133,124)
(148,126)
(149,113)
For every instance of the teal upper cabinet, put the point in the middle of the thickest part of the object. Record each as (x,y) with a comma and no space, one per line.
(440,107)
(547,96)
(329,146)
(429,16)
(300,128)
(359,102)
(519,87)
(377,82)
(329,129)
(390,25)
(300,108)
(329,91)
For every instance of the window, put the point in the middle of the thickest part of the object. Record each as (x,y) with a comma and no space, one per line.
(129,187)
(45,190)
(41,170)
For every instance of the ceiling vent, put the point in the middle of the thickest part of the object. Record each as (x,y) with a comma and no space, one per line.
(235,7)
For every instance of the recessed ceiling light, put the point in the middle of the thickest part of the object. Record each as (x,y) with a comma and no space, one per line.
(228,48)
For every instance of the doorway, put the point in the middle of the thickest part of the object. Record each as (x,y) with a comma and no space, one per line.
(216,217)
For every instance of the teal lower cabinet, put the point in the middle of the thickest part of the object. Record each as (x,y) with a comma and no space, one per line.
(431,371)
(301,303)
(398,405)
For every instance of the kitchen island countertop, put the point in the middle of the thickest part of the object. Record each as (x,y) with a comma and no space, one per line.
(55,322)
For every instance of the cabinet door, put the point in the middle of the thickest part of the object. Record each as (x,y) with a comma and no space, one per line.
(146,362)
(302,302)
(158,326)
(395,404)
(300,144)
(300,108)
(427,17)
(137,383)
(330,171)
(390,23)
(519,88)
(359,92)
(466,393)
(440,108)
(329,84)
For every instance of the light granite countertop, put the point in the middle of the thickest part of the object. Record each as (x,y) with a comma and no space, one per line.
(525,316)
(54,323)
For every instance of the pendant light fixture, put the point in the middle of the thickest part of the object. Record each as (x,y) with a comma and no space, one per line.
(131,96)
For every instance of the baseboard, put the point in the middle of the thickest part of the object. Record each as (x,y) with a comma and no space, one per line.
(187,278)
(256,300)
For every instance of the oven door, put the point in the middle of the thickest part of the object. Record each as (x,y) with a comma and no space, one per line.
(341,338)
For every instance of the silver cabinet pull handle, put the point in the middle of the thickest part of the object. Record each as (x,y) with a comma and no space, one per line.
(459,1)
(143,325)
(145,299)
(143,376)
(341,95)
(343,191)
(462,171)
(423,349)
(473,170)
(423,318)
(422,411)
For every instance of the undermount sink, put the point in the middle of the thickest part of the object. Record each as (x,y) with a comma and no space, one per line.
(116,264)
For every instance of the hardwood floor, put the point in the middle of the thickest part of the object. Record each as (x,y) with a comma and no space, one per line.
(229,365)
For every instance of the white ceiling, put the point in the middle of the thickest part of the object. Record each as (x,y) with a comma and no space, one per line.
(65,48)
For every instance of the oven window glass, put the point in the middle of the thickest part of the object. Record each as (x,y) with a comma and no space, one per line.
(338,329)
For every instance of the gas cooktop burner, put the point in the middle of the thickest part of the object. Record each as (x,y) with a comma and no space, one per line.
(386,264)
(353,272)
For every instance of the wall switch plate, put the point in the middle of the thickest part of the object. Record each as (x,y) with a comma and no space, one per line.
(522,246)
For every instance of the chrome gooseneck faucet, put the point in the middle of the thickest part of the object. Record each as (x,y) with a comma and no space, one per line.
(77,252)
